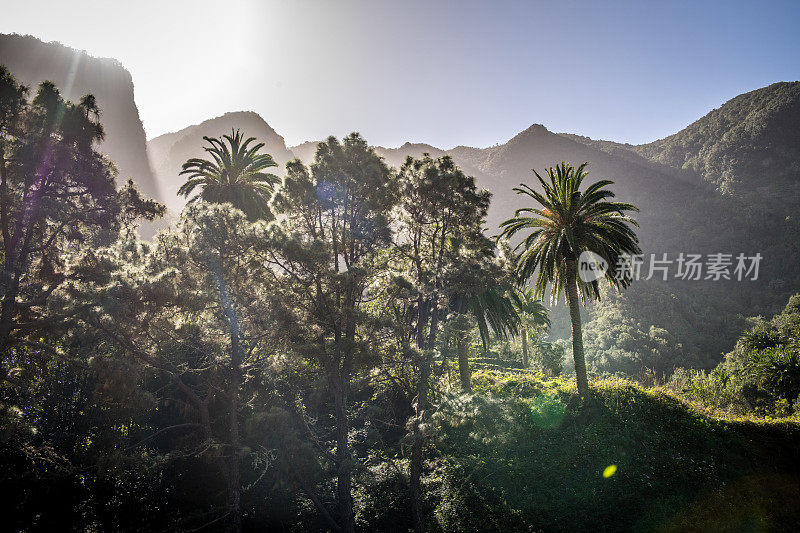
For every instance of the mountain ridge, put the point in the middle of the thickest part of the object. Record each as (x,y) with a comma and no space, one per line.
(749,147)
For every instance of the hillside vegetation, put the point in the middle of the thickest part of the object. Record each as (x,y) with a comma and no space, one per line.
(749,147)
(521,455)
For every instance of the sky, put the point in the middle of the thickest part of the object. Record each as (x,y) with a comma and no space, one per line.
(446,73)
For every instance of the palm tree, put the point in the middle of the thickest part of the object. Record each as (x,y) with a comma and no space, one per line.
(533,315)
(494,311)
(480,288)
(234,174)
(566,223)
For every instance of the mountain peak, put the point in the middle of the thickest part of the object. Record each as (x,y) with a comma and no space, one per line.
(243,120)
(249,115)
(536,128)
(531,133)
(534,133)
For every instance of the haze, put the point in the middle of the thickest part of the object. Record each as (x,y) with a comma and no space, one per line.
(452,73)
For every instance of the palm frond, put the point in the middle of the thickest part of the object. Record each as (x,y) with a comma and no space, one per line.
(563,223)
(234,173)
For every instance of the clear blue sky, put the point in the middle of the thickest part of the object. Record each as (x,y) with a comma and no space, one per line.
(446,73)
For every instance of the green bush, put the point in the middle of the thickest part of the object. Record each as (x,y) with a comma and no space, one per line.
(760,376)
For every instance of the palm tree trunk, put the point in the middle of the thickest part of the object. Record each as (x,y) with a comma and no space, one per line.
(524,335)
(577,333)
(463,366)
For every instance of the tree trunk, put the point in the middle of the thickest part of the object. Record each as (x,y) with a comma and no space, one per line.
(309,490)
(232,457)
(234,481)
(7,292)
(418,440)
(463,365)
(15,253)
(344,481)
(577,334)
(344,458)
(417,445)
(10,288)
(524,335)
(445,353)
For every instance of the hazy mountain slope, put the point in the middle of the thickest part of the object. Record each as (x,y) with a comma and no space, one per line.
(677,215)
(397,156)
(305,151)
(168,152)
(628,153)
(669,207)
(676,211)
(749,141)
(393,156)
(76,73)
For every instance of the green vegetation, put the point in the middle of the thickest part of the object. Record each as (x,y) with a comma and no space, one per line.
(761,376)
(744,147)
(346,350)
(534,321)
(522,455)
(729,181)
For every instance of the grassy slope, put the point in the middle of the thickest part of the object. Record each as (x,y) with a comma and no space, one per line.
(521,455)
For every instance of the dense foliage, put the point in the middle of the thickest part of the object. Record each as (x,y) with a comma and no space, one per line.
(761,375)
(746,146)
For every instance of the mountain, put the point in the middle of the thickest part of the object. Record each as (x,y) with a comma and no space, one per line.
(670,207)
(168,152)
(748,148)
(305,151)
(397,156)
(76,74)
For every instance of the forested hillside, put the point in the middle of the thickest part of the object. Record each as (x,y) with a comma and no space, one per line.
(747,148)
